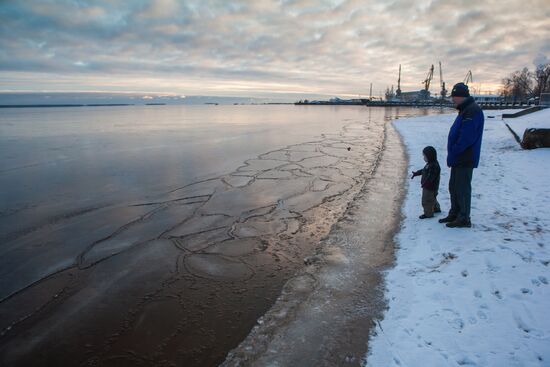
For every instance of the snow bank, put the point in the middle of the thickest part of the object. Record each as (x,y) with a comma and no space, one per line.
(479,296)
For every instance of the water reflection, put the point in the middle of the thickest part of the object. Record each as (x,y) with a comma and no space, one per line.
(175,215)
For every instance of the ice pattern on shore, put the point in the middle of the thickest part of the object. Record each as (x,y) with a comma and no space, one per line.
(219,249)
(480,296)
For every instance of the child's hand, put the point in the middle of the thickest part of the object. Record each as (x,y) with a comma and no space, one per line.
(412,175)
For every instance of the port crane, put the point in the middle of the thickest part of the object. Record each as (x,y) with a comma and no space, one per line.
(443,92)
(468,78)
(429,77)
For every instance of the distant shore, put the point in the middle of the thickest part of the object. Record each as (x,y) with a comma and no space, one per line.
(133,104)
(71,105)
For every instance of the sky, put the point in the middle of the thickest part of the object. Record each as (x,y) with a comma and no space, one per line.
(259,48)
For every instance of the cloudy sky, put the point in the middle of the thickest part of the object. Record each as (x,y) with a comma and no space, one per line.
(263,48)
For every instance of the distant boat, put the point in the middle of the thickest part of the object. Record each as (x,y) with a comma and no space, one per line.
(214,103)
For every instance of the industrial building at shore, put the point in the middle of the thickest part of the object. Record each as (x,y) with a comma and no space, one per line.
(422,97)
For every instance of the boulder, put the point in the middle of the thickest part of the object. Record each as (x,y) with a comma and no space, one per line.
(535,138)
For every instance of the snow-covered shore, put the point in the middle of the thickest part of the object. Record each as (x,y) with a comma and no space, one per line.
(479,296)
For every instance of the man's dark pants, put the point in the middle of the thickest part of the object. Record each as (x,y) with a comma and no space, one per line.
(460,188)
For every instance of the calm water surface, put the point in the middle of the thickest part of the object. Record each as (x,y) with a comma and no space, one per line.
(157,235)
(55,160)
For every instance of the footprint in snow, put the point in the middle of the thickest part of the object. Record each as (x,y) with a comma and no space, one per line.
(521,324)
(454,319)
(526,291)
(458,324)
(482,315)
(465,361)
(491,267)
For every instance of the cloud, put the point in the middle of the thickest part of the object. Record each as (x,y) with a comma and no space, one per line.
(264,46)
(540,59)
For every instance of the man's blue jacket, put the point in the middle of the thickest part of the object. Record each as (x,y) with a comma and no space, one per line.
(464,141)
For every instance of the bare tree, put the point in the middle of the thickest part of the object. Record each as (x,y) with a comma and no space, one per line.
(542,79)
(518,86)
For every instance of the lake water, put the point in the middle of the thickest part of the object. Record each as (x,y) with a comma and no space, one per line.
(56,160)
(148,234)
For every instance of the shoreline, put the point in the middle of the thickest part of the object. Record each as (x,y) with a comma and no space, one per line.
(219,250)
(342,283)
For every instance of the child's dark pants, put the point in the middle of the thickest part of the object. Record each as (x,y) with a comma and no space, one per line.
(429,202)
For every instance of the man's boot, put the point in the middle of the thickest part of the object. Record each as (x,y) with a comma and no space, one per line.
(460,223)
(448,219)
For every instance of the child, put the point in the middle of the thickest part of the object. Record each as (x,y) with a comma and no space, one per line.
(430,182)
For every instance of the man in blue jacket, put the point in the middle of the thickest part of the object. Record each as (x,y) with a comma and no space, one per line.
(463,148)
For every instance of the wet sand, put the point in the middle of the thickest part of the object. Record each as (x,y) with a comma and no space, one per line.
(181,277)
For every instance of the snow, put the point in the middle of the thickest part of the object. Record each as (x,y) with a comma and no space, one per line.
(479,296)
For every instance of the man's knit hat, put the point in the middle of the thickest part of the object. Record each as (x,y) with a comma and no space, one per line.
(460,90)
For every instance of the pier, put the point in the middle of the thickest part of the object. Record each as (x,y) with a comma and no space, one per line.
(427,103)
